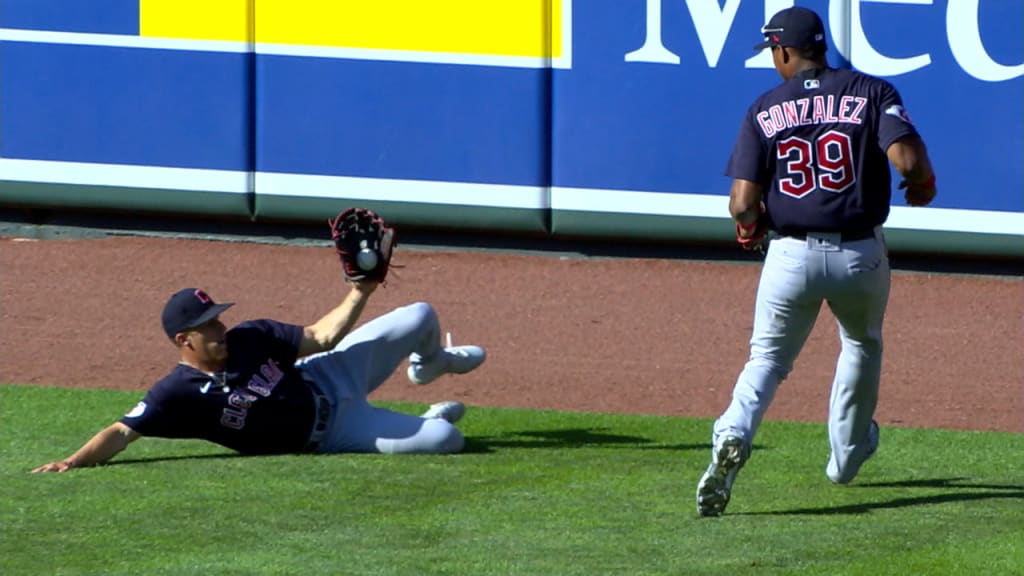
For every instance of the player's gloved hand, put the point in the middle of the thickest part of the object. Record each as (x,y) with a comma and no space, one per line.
(364,243)
(919,193)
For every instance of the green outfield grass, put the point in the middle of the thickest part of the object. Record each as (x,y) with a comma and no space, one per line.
(537,493)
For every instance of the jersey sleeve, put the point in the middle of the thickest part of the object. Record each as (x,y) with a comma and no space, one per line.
(893,121)
(748,160)
(151,416)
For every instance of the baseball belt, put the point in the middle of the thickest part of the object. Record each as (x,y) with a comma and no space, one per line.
(321,417)
(845,235)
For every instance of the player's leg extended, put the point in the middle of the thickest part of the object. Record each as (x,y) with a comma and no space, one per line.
(370,354)
(785,311)
(360,427)
(860,279)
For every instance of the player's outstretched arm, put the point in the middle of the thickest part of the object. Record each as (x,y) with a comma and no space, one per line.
(101,448)
(909,157)
(326,332)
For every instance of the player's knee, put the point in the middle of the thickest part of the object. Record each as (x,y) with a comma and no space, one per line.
(871,347)
(868,341)
(442,437)
(769,365)
(423,312)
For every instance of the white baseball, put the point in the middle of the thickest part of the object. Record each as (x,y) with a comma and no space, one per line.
(367,259)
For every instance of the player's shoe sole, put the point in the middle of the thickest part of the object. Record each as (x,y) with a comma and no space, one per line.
(450,360)
(452,411)
(715,486)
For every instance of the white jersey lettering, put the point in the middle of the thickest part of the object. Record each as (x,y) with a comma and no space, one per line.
(799,112)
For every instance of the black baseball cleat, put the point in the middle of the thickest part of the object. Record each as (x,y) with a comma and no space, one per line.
(715,486)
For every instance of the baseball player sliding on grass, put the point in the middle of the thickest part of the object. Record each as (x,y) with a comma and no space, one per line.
(266,387)
(811,164)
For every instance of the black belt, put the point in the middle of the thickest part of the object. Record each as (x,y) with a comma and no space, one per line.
(321,417)
(844,236)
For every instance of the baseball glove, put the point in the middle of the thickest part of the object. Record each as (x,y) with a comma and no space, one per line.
(364,243)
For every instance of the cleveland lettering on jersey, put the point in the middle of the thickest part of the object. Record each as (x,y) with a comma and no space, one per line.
(247,389)
(258,403)
(271,375)
(818,109)
(240,401)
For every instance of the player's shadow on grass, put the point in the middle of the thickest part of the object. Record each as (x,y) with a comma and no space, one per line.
(535,439)
(155,459)
(977,492)
(957,482)
(544,439)
(568,438)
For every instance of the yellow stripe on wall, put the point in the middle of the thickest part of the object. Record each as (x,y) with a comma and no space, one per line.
(490,27)
(196,19)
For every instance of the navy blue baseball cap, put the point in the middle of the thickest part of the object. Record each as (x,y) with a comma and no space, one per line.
(188,308)
(795,27)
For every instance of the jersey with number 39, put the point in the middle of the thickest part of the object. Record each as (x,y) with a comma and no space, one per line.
(817,144)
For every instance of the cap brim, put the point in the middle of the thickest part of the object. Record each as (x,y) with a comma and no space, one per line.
(763,45)
(212,313)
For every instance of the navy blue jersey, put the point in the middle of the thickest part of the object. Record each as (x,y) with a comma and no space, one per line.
(258,405)
(817,143)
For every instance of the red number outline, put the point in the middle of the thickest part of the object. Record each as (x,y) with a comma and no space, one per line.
(837,173)
(798,166)
(828,164)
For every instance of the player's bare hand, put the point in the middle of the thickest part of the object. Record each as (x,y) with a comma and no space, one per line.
(365,286)
(919,196)
(751,236)
(920,193)
(59,466)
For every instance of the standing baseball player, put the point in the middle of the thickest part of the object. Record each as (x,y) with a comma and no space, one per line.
(811,164)
(267,387)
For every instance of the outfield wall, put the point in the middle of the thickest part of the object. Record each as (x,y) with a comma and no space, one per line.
(593,118)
